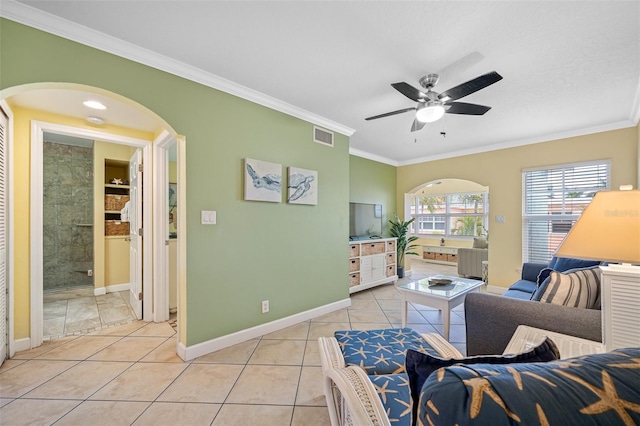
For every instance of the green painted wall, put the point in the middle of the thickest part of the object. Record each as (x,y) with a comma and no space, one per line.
(375,183)
(293,255)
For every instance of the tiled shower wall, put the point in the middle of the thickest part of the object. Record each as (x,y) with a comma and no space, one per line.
(67,215)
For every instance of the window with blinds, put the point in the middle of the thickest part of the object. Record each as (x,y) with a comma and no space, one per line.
(459,214)
(554,199)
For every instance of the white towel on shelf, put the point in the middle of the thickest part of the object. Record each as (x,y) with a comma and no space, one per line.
(124,213)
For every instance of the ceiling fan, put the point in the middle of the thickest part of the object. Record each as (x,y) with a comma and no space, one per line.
(432,105)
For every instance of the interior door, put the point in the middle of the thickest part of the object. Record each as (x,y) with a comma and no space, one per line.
(4,340)
(135,233)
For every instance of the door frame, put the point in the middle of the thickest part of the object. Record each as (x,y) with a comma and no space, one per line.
(161,229)
(38,128)
(4,108)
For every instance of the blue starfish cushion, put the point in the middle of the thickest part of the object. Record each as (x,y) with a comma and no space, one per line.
(393,390)
(596,389)
(380,351)
(420,365)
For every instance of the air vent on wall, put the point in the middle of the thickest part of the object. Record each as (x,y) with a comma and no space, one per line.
(322,136)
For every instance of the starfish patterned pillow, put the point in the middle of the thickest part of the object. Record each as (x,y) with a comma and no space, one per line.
(420,365)
(595,389)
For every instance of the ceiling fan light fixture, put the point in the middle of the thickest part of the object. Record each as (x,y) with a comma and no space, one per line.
(429,113)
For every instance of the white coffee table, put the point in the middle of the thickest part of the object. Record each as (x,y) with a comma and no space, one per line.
(443,297)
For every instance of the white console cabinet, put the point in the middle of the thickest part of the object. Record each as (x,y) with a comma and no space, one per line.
(440,254)
(371,263)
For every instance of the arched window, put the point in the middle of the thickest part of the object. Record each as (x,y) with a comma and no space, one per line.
(449,208)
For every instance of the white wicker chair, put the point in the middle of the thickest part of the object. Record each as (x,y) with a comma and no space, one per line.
(351,397)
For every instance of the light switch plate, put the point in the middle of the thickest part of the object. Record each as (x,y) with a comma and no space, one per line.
(208,217)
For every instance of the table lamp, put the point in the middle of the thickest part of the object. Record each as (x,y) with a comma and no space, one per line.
(609,230)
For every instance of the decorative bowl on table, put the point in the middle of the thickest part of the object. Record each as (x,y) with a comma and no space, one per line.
(439,281)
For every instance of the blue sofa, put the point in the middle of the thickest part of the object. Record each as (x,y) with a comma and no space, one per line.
(525,288)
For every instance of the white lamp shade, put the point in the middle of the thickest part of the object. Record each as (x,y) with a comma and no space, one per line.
(607,230)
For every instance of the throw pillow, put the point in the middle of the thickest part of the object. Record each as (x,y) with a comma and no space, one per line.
(563,264)
(549,393)
(420,365)
(578,289)
(480,243)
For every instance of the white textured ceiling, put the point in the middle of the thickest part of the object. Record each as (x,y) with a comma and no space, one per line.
(569,67)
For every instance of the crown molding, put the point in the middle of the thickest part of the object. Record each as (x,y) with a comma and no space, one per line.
(374,157)
(43,21)
(521,142)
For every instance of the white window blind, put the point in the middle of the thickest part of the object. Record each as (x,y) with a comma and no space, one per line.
(554,199)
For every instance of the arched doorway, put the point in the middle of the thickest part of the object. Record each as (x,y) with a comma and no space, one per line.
(60,110)
(452,214)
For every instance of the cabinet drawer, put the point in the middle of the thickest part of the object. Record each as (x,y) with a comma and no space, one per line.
(354,265)
(391,270)
(354,250)
(452,258)
(429,255)
(372,248)
(354,279)
(442,256)
(391,246)
(391,258)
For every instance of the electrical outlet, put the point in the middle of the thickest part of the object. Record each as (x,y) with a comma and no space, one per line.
(90,272)
(265,306)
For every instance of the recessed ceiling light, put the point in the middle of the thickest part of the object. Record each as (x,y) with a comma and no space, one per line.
(94,104)
(95,120)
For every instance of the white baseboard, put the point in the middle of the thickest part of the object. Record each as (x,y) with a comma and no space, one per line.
(22,344)
(118,287)
(187,353)
(101,291)
(494,289)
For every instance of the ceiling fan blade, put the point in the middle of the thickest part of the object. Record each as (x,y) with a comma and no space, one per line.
(466,109)
(387,114)
(470,87)
(409,91)
(417,125)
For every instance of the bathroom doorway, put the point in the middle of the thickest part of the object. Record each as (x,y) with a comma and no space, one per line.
(71,304)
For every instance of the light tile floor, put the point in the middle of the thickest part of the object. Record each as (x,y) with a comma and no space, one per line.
(76,311)
(130,375)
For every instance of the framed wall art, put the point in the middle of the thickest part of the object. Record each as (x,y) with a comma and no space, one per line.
(262,181)
(302,186)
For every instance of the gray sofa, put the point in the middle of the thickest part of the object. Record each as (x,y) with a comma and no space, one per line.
(491,320)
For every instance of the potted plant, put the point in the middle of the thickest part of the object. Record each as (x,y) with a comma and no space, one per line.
(399,229)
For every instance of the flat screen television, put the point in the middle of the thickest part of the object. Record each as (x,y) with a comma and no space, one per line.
(365,221)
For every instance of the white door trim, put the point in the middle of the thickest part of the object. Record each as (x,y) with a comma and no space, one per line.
(38,128)
(9,225)
(161,229)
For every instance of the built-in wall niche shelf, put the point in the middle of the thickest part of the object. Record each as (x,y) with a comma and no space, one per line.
(115,196)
